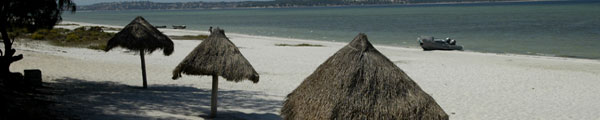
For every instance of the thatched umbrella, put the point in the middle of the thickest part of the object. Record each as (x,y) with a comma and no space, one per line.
(217,56)
(360,83)
(139,35)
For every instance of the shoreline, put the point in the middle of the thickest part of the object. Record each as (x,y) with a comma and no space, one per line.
(196,32)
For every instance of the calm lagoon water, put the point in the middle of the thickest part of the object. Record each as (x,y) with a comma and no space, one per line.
(560,28)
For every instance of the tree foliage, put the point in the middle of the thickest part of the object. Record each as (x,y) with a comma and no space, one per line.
(30,14)
(34,14)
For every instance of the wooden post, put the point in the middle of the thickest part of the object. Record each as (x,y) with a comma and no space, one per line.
(213,98)
(33,77)
(143,68)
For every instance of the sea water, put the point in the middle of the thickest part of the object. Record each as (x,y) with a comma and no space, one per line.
(558,28)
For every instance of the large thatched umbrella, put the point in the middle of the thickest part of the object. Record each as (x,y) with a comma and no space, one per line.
(217,56)
(139,35)
(360,83)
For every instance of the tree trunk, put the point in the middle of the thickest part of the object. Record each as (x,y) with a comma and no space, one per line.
(7,55)
(213,98)
(143,68)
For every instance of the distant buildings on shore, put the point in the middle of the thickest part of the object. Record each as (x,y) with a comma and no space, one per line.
(147,5)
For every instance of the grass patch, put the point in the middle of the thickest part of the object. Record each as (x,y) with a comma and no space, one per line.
(190,37)
(53,34)
(84,37)
(19,33)
(92,37)
(300,45)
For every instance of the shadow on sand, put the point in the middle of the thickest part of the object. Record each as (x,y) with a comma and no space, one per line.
(112,100)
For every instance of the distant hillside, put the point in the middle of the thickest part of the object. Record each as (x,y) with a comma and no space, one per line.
(258,4)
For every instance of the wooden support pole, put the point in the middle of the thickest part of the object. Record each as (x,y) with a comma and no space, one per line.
(213,98)
(143,68)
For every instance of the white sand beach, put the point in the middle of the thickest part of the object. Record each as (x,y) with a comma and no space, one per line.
(467,85)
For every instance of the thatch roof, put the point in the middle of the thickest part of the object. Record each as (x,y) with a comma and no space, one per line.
(217,56)
(141,35)
(360,83)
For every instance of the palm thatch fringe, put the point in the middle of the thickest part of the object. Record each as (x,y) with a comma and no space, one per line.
(358,83)
(217,56)
(141,35)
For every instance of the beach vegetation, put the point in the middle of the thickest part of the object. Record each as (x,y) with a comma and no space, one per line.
(84,37)
(92,37)
(38,36)
(300,45)
(46,34)
(72,37)
(17,32)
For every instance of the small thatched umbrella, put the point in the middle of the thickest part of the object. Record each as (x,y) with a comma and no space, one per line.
(139,35)
(217,56)
(360,83)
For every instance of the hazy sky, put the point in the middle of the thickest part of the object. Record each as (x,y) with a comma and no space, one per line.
(88,2)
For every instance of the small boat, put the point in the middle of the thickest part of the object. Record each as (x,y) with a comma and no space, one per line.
(430,43)
(178,26)
(160,26)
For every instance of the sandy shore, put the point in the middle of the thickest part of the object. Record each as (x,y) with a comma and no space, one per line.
(467,85)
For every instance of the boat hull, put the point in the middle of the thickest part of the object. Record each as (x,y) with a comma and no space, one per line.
(429,43)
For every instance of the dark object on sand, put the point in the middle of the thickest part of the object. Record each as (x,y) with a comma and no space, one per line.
(360,83)
(139,35)
(178,26)
(430,43)
(160,26)
(217,56)
(33,77)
